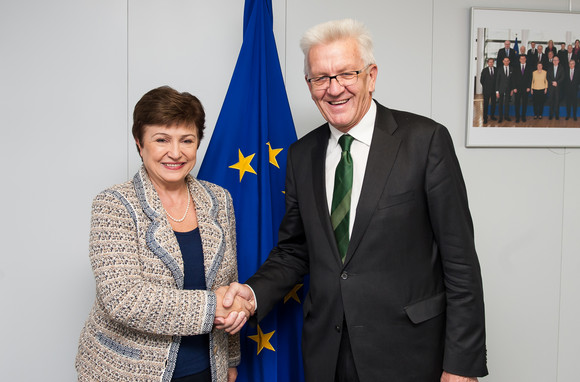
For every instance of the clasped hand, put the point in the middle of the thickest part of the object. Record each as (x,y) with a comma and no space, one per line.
(235,304)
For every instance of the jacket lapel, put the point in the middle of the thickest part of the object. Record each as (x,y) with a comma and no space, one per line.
(160,237)
(211,232)
(382,155)
(318,160)
(159,234)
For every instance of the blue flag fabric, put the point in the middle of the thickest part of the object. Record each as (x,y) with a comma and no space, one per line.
(247,156)
(516,48)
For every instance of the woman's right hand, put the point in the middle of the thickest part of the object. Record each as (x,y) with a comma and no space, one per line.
(239,311)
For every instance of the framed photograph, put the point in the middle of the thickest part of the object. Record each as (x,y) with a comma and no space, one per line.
(513,101)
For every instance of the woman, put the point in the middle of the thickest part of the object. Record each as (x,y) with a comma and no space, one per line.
(539,90)
(577,50)
(551,48)
(160,247)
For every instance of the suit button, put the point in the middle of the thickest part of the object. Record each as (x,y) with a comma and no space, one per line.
(344,276)
(337,328)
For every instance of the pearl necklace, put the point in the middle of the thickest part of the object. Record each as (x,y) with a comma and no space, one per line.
(184,215)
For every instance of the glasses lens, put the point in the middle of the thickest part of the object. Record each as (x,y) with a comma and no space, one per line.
(347,79)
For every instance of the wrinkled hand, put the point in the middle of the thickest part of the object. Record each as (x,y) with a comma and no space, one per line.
(446,377)
(234,321)
(233,310)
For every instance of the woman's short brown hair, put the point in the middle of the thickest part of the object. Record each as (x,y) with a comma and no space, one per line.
(166,106)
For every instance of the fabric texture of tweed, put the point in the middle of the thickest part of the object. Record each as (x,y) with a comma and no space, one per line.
(141,310)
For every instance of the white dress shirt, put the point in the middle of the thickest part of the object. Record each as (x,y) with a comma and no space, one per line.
(359,151)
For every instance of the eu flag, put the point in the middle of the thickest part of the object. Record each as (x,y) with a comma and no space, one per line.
(516,48)
(247,156)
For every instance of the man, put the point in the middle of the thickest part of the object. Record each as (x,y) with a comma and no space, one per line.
(555,76)
(487,81)
(395,286)
(504,89)
(571,82)
(562,53)
(532,55)
(508,52)
(568,57)
(522,83)
(522,50)
(542,58)
(550,61)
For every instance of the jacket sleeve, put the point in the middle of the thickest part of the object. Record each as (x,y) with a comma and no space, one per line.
(234,354)
(288,262)
(150,303)
(465,350)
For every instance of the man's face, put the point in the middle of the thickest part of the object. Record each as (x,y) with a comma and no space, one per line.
(572,64)
(506,44)
(343,107)
(490,62)
(556,61)
(570,48)
(540,48)
(506,61)
(533,45)
(522,60)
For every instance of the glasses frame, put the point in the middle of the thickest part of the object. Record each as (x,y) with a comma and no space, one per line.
(326,85)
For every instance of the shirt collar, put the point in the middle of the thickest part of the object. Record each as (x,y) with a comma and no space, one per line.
(362,131)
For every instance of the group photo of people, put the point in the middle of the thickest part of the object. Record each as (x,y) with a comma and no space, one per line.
(527,83)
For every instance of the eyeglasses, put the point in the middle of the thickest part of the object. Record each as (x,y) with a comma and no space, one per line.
(344,79)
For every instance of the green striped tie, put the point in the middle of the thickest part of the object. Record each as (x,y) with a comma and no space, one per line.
(340,212)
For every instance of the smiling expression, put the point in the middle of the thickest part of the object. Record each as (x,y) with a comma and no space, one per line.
(343,107)
(168,153)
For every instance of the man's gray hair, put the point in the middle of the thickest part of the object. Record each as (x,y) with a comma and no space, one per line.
(338,30)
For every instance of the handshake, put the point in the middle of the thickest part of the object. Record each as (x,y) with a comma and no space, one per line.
(235,304)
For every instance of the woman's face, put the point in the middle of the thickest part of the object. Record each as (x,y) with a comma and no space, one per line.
(168,153)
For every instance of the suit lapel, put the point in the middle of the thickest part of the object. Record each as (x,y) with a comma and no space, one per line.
(382,155)
(318,161)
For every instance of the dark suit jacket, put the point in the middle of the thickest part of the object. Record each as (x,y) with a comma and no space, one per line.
(563,55)
(571,85)
(501,54)
(532,58)
(559,77)
(487,81)
(553,49)
(566,62)
(503,83)
(410,288)
(543,60)
(522,81)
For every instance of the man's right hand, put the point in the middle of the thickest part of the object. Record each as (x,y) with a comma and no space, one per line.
(235,305)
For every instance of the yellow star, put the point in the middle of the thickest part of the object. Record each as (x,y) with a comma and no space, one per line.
(292,294)
(244,164)
(263,340)
(273,153)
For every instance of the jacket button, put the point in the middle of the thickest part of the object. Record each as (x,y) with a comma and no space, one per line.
(344,276)
(337,328)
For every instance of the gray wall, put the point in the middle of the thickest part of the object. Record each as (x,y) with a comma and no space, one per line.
(72,70)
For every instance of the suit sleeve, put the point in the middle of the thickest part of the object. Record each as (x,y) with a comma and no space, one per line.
(465,351)
(288,261)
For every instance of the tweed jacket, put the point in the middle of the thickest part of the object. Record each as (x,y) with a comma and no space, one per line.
(141,311)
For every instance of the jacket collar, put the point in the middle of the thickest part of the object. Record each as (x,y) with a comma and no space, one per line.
(160,237)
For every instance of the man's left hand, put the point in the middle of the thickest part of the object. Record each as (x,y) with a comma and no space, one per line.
(446,377)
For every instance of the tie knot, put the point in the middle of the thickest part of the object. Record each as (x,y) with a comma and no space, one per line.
(345,141)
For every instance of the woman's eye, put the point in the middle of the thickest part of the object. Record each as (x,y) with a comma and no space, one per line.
(160,140)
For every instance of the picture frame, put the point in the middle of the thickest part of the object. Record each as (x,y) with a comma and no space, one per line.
(489,29)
